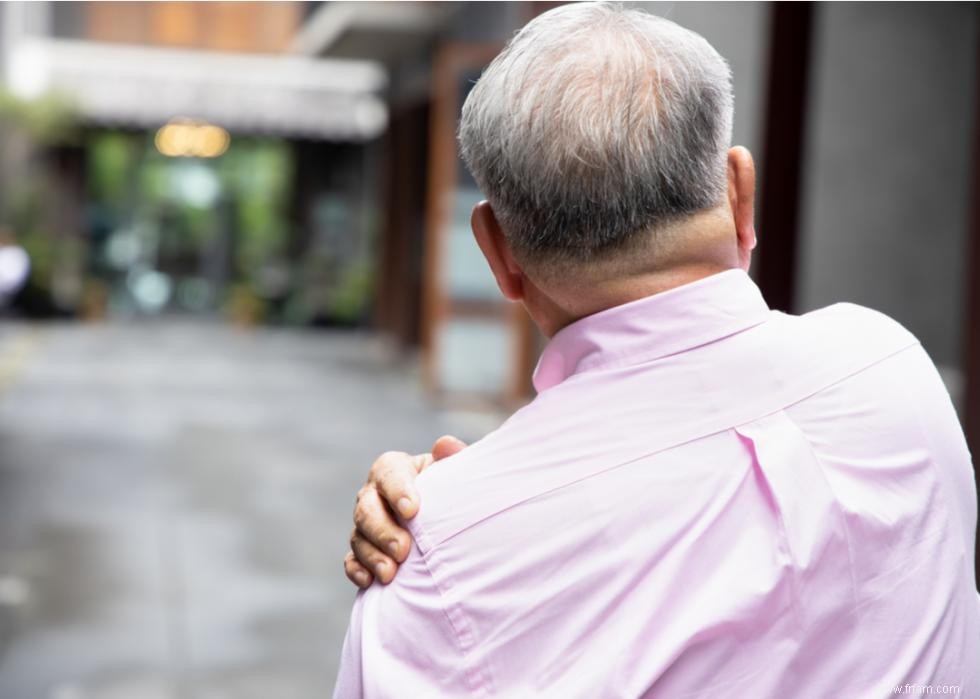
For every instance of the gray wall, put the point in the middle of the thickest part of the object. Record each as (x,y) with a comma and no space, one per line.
(488,21)
(887,166)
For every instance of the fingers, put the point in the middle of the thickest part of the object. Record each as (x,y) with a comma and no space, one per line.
(393,474)
(371,558)
(356,573)
(374,522)
(378,543)
(447,445)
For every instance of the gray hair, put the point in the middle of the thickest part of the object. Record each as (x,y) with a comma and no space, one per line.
(596,126)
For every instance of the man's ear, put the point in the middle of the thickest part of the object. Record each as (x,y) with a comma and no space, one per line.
(494,246)
(741,199)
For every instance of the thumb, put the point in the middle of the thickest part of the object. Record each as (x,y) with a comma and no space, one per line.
(446,445)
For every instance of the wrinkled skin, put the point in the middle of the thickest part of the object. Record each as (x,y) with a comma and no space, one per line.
(378,542)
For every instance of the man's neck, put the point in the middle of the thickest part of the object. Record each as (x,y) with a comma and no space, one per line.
(620,291)
(702,245)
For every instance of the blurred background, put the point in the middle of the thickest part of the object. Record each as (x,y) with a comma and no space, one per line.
(235,266)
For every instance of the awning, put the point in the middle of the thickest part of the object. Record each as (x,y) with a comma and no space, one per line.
(381,30)
(284,95)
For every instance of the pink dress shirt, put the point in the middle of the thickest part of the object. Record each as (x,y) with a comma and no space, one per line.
(706,499)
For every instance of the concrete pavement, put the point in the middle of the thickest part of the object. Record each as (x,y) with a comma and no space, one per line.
(175,501)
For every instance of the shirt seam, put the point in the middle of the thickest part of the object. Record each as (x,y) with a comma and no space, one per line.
(479,681)
(845,524)
(782,535)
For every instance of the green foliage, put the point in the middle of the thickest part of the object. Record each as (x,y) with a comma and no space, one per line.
(353,292)
(25,205)
(41,249)
(27,126)
(111,158)
(181,206)
(51,119)
(257,174)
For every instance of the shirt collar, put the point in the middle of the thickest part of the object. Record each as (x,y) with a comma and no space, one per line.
(672,321)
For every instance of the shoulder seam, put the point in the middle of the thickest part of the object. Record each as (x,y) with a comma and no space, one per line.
(478,679)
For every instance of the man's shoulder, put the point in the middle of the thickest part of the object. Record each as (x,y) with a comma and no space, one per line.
(459,483)
(843,338)
(850,321)
(529,454)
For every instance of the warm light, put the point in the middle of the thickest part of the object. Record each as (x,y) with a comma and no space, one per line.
(186,138)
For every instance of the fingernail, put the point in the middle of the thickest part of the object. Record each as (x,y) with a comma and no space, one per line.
(361,578)
(393,548)
(404,507)
(382,568)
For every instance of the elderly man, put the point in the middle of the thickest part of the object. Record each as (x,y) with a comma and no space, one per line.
(707,498)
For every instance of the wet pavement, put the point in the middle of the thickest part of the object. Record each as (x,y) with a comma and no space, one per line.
(175,502)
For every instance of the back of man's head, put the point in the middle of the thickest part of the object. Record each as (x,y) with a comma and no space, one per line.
(595,129)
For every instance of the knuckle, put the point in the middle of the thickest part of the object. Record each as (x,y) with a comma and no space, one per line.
(386,462)
(360,517)
(389,456)
(364,551)
(381,462)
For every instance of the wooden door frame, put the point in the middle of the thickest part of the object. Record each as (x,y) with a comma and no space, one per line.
(449,62)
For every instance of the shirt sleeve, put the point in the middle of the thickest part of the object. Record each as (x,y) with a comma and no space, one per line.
(400,642)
